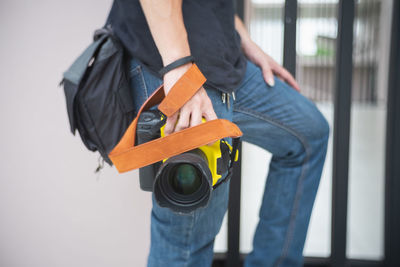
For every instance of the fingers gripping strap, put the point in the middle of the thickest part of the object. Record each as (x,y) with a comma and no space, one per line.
(182,91)
(126,156)
(174,144)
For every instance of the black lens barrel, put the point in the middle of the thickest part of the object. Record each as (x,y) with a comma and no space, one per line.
(184,182)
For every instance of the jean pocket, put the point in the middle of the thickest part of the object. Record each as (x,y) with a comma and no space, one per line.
(138,85)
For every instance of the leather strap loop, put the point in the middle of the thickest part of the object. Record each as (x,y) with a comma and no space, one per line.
(126,156)
(182,91)
(174,144)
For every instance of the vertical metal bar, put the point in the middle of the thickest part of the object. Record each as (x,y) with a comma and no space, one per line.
(289,36)
(343,82)
(392,183)
(233,255)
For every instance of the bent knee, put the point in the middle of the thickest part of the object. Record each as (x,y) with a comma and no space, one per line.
(319,129)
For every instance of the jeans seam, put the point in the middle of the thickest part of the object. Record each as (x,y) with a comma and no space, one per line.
(137,70)
(289,233)
(143,82)
(132,70)
(187,243)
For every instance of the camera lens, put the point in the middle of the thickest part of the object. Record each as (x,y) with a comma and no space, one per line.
(185,179)
(183,182)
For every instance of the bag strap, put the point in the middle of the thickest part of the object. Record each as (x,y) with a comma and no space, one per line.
(126,156)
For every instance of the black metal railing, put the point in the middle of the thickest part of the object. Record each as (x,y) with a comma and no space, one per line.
(392,176)
(343,87)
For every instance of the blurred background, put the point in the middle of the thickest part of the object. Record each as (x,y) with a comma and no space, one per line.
(55,211)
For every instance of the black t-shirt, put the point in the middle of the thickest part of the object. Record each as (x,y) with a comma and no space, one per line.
(213,40)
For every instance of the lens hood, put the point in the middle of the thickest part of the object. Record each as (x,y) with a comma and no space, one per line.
(167,196)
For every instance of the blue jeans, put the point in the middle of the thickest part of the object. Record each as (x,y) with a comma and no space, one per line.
(278,119)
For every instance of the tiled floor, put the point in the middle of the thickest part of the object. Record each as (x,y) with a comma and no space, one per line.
(366,189)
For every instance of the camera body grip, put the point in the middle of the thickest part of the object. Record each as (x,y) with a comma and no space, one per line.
(148,129)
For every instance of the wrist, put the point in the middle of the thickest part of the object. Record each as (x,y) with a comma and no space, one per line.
(171,77)
(253,52)
(175,64)
(247,44)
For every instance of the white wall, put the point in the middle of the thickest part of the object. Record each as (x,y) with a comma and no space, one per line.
(54,211)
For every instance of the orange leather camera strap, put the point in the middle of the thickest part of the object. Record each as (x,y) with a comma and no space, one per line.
(126,156)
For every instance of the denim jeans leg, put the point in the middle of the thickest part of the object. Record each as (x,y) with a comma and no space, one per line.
(188,239)
(282,121)
(292,129)
(182,239)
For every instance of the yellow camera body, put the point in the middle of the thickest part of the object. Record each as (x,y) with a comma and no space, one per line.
(184,182)
(213,153)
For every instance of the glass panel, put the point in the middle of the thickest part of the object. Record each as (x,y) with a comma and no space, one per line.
(316,52)
(266,29)
(220,244)
(316,49)
(316,40)
(367,143)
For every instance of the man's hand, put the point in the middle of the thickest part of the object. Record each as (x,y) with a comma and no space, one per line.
(198,106)
(256,55)
(166,25)
(268,66)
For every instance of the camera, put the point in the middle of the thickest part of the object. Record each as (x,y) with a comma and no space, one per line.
(183,182)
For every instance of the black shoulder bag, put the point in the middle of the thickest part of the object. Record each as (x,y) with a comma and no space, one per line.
(98,96)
